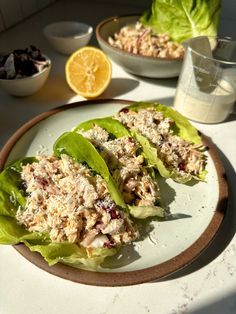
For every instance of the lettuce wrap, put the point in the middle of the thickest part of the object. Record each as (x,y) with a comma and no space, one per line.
(14,200)
(121,154)
(169,142)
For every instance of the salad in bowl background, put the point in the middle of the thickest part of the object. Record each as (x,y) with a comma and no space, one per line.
(151,44)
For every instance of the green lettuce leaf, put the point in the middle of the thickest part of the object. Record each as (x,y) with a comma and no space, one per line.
(150,153)
(7,207)
(11,197)
(182,128)
(11,232)
(10,182)
(78,147)
(109,124)
(183,19)
(143,212)
(116,129)
(71,254)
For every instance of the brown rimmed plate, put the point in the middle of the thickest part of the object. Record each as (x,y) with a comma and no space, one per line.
(165,247)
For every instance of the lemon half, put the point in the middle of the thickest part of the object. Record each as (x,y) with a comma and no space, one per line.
(88,72)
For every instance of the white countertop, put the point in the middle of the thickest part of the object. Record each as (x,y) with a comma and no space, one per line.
(206,286)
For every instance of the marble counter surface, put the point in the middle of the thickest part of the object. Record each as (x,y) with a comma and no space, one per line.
(208,285)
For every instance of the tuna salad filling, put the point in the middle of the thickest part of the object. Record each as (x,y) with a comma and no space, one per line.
(177,154)
(70,202)
(127,167)
(141,40)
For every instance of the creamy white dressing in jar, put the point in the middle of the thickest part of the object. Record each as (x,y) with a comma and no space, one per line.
(206,90)
(203,107)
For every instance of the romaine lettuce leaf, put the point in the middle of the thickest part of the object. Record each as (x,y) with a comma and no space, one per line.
(183,19)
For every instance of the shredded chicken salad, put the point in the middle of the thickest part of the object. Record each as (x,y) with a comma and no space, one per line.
(127,167)
(83,203)
(176,153)
(71,203)
(141,40)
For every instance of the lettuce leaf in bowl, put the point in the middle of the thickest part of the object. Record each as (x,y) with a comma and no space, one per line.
(183,19)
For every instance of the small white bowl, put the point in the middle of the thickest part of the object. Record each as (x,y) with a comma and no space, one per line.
(28,85)
(68,36)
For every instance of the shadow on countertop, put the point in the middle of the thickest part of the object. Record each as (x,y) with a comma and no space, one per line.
(119,86)
(225,304)
(166,82)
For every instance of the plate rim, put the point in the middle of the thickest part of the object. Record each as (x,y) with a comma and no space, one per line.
(125,278)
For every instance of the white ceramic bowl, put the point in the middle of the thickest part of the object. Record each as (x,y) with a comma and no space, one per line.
(68,36)
(28,85)
(136,64)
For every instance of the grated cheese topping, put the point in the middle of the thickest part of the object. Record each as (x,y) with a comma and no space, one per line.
(71,203)
(127,167)
(176,153)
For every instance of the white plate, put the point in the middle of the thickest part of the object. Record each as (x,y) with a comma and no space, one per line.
(197,210)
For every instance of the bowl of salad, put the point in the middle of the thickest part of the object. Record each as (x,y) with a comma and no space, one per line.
(137,49)
(151,44)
